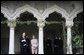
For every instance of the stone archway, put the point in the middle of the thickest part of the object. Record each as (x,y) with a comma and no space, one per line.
(53,9)
(30,29)
(15,15)
(5,12)
(20,10)
(54,30)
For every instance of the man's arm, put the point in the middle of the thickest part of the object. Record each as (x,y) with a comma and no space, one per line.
(20,39)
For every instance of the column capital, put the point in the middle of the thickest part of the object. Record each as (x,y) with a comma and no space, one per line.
(12,25)
(69,23)
(41,24)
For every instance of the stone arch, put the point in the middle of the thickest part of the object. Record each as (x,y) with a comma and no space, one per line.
(26,16)
(75,12)
(20,10)
(53,15)
(53,9)
(78,22)
(5,12)
(28,8)
(54,32)
(80,14)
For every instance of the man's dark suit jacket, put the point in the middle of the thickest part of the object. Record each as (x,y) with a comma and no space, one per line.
(22,47)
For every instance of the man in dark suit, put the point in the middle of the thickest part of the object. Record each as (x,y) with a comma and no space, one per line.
(23,44)
(48,46)
(28,46)
(60,45)
(56,45)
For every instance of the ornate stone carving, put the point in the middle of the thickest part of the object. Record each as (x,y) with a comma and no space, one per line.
(40,14)
(74,13)
(5,12)
(27,8)
(53,9)
(41,24)
(20,10)
(12,25)
(69,23)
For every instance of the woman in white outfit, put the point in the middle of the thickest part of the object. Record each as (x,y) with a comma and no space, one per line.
(34,45)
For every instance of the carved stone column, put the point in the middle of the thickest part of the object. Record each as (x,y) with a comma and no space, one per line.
(69,24)
(41,46)
(11,38)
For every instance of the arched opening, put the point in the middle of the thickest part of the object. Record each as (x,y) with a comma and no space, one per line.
(53,31)
(77,34)
(4,35)
(29,29)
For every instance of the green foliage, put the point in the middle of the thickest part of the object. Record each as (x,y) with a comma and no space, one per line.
(77,40)
(28,22)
